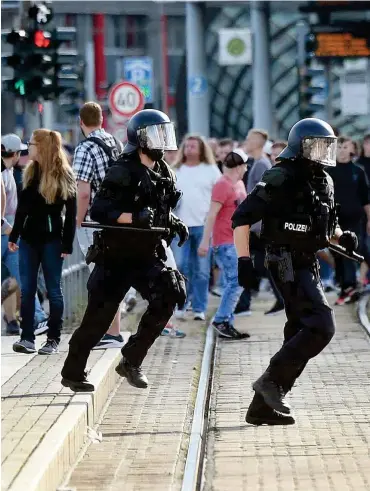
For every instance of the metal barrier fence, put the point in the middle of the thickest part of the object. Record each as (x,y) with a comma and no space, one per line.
(74,278)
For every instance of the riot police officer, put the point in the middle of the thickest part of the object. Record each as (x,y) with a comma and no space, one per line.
(295,200)
(138,194)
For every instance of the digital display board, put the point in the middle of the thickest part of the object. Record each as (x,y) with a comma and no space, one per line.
(341,45)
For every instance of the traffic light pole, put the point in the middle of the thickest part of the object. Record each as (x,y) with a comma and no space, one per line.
(33,119)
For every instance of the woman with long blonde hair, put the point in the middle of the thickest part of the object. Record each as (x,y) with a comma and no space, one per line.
(196,173)
(49,187)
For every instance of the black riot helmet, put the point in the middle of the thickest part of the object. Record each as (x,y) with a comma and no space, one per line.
(312,139)
(152,130)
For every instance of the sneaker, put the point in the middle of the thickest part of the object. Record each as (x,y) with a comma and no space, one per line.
(278,307)
(41,327)
(222,328)
(12,328)
(172,332)
(240,312)
(180,314)
(24,346)
(109,341)
(346,296)
(235,334)
(199,316)
(216,291)
(49,348)
(134,375)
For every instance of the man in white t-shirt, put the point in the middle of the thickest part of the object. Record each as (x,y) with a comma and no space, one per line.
(196,174)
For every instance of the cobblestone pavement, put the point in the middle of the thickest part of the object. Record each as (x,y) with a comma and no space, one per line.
(327,448)
(146,432)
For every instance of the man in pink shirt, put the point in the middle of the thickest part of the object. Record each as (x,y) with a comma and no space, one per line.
(227,194)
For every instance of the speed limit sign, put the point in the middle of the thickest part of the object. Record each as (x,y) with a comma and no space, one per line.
(125,99)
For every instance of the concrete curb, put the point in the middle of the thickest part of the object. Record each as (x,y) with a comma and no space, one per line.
(46,467)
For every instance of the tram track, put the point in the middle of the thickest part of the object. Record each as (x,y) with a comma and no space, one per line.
(194,465)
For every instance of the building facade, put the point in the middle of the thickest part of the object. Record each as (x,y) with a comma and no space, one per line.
(157,30)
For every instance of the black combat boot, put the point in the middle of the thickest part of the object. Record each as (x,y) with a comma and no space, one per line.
(259,413)
(272,392)
(78,385)
(133,374)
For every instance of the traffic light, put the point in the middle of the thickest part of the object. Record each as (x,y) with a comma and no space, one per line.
(41,69)
(313,86)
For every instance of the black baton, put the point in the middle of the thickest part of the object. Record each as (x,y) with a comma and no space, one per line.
(343,252)
(122,227)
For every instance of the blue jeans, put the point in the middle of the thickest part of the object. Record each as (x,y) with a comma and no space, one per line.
(196,268)
(11,262)
(227,258)
(49,256)
(326,271)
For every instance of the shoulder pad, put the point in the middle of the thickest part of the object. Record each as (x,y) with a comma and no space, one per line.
(118,174)
(274,177)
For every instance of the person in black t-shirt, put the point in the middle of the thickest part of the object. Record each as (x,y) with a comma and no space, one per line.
(352,195)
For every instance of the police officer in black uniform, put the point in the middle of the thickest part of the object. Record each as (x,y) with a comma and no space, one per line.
(295,201)
(138,194)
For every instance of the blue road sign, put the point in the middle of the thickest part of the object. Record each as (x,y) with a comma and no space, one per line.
(139,71)
(197,85)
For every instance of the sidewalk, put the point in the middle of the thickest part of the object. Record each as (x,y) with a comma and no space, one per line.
(44,424)
(146,432)
(327,448)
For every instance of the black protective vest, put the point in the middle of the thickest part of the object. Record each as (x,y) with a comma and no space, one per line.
(304,218)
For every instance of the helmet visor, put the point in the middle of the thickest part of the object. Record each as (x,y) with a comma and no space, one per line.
(322,150)
(158,137)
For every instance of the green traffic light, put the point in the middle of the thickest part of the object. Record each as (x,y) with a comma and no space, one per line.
(20,86)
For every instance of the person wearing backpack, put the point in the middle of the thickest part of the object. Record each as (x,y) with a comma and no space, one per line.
(92,158)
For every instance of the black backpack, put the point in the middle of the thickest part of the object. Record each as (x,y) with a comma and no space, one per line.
(112,152)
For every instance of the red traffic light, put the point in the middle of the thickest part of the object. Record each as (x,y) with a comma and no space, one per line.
(41,39)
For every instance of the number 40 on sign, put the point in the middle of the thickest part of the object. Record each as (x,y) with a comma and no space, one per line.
(125,99)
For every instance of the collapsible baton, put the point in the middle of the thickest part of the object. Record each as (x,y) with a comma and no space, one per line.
(158,230)
(343,252)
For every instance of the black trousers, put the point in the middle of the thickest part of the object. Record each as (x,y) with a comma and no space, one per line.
(310,323)
(107,286)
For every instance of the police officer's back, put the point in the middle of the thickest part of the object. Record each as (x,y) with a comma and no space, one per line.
(295,200)
(135,200)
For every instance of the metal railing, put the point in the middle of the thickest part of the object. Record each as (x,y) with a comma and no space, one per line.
(74,278)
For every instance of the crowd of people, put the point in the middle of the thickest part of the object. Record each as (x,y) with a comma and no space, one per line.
(46,198)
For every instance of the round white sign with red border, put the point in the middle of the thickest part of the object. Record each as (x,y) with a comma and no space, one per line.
(125,99)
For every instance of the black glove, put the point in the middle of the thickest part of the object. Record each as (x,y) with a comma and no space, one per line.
(349,241)
(143,218)
(245,272)
(179,227)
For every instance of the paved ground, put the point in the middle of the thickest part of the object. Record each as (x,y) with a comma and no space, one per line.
(32,401)
(329,446)
(145,432)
